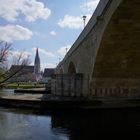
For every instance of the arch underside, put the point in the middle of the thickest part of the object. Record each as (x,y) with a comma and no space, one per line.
(61,71)
(71,68)
(119,54)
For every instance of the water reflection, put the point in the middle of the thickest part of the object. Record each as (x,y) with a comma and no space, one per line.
(104,123)
(25,125)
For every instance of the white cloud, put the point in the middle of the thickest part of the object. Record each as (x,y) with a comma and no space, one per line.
(62,51)
(10,33)
(31,9)
(88,16)
(25,54)
(90,6)
(47,65)
(52,33)
(44,52)
(73,22)
(76,22)
(16,54)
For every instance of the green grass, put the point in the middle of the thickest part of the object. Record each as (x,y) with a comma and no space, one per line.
(24,85)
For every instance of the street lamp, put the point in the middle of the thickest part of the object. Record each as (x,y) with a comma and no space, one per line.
(66,50)
(84,19)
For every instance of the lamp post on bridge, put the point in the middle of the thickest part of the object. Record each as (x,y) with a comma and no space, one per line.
(59,59)
(84,19)
(66,50)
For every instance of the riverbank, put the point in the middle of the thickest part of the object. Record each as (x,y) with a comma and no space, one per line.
(20,85)
(33,90)
(45,101)
(50,102)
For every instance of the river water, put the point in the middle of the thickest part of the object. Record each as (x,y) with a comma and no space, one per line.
(19,124)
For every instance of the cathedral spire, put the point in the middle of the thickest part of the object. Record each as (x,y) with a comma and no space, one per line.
(37,63)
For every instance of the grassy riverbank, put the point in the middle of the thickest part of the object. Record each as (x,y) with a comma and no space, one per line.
(24,85)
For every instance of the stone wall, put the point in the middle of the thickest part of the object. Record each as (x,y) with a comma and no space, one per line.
(119,87)
(69,85)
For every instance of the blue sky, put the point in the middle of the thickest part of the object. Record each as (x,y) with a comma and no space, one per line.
(50,25)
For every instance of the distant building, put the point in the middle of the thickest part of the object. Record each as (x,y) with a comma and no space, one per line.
(26,73)
(48,72)
(37,71)
(23,73)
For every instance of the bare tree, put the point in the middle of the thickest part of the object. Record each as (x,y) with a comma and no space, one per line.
(19,60)
(4,51)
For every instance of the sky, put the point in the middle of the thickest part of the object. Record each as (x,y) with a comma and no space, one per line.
(49,25)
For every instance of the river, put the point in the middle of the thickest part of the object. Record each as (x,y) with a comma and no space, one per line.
(19,124)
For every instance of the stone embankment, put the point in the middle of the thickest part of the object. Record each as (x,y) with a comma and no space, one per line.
(51,103)
(34,91)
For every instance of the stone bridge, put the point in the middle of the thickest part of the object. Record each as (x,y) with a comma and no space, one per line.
(107,52)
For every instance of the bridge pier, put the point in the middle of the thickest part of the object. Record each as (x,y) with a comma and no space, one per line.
(73,85)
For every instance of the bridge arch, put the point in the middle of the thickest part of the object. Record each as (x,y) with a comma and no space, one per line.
(71,68)
(61,71)
(119,51)
(117,61)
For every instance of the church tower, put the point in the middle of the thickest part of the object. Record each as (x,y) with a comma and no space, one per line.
(37,63)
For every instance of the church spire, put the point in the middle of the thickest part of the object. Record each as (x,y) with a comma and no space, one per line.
(37,63)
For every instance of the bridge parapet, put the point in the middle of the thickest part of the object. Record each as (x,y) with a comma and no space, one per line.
(92,22)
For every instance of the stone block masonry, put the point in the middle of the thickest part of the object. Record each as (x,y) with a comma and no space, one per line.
(69,85)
